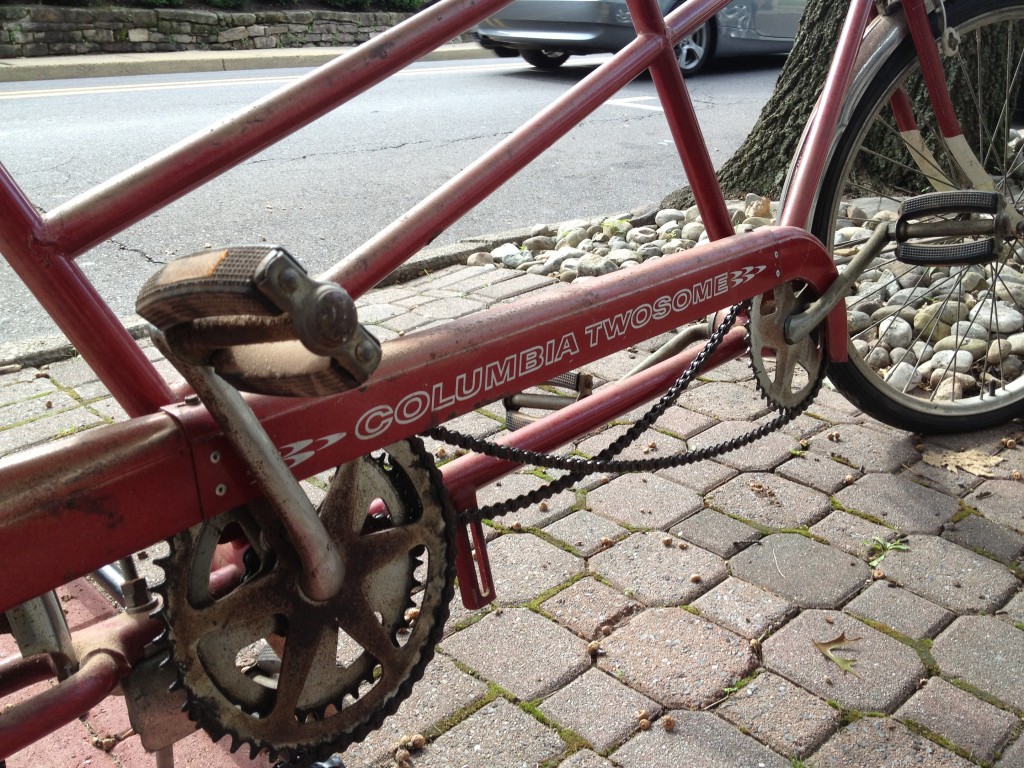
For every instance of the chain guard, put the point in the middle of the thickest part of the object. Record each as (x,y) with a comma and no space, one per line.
(348,662)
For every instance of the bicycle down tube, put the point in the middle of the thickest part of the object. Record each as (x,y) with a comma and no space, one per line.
(89,484)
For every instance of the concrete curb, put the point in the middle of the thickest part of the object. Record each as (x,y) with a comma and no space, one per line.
(128,64)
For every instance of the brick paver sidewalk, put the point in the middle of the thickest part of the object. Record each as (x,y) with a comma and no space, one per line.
(683,618)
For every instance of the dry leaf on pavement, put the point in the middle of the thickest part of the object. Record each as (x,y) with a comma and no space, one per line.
(972,460)
(828,646)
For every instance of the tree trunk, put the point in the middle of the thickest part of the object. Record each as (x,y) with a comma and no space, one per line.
(761,162)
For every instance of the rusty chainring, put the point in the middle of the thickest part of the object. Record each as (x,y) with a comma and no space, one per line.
(797,368)
(348,662)
(356,657)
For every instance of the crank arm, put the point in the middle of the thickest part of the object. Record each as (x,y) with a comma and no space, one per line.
(322,568)
(799,326)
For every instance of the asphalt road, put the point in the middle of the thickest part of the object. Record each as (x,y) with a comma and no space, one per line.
(325,189)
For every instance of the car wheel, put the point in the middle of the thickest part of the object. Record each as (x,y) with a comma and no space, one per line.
(696,49)
(543,59)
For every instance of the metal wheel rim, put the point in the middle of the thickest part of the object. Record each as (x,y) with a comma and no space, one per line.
(691,49)
(965,406)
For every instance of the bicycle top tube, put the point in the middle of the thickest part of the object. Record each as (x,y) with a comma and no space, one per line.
(33,241)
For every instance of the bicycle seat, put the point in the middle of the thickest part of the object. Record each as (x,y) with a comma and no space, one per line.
(264,325)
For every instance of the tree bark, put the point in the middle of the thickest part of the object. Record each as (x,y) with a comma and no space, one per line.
(760,164)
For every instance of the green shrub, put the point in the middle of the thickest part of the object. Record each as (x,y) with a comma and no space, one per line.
(352,6)
(401,6)
(61,3)
(158,3)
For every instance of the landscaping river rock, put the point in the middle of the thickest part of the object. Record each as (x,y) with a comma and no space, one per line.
(938,332)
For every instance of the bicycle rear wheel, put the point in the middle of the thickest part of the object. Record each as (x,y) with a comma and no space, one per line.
(934,348)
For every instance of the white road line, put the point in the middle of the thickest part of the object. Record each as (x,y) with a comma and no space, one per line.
(131,88)
(230,81)
(636,103)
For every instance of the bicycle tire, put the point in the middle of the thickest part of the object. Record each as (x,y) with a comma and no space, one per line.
(544,58)
(896,397)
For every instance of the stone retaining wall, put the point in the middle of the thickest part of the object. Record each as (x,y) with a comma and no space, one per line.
(51,31)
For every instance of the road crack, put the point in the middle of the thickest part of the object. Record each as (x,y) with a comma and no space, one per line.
(388,148)
(124,248)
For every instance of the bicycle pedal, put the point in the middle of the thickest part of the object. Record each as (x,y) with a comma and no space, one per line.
(947,203)
(583,383)
(956,214)
(517,420)
(213,306)
(954,254)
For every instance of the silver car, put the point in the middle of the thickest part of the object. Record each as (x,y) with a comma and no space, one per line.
(547,32)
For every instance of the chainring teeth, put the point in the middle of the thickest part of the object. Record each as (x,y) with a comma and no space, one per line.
(348,713)
(766,330)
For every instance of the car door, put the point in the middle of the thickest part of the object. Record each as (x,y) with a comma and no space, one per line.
(778,18)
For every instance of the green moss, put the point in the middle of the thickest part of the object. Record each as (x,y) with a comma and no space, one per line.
(451,721)
(978,693)
(838,459)
(920,730)
(863,515)
(965,511)
(573,740)
(558,543)
(739,684)
(836,506)
(534,604)
(469,621)
(923,648)
(73,430)
(849,716)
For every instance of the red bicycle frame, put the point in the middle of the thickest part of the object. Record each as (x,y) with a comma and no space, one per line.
(88,488)
(42,248)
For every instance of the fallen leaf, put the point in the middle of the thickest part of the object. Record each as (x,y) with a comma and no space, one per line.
(828,646)
(972,460)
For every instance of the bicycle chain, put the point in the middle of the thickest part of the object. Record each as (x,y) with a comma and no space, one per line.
(604,461)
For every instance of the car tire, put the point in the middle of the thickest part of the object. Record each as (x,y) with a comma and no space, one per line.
(544,59)
(696,49)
